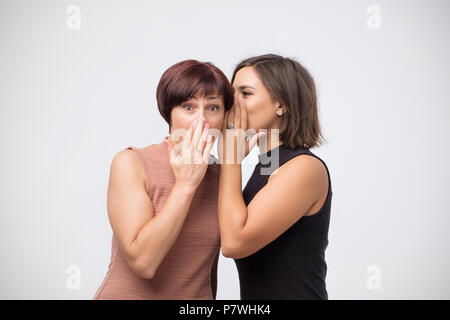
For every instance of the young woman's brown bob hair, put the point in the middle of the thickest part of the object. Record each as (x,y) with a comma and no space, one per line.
(185,79)
(291,84)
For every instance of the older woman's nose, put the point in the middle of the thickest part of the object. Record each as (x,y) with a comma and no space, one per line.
(201,117)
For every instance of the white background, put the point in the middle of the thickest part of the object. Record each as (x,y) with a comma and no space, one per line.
(72,98)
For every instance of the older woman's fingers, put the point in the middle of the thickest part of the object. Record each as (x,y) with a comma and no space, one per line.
(187,144)
(204,137)
(188,136)
(196,143)
(207,151)
(171,149)
(197,133)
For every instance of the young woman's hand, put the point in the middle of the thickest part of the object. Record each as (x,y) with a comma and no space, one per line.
(189,158)
(235,143)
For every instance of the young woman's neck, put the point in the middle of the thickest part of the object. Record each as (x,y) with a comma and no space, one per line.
(273,141)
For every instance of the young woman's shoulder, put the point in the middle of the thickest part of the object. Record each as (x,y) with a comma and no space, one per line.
(307,169)
(303,164)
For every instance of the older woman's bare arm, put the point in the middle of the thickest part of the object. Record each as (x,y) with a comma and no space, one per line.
(144,238)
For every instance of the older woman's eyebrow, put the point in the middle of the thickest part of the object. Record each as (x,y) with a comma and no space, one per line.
(213,97)
(208,98)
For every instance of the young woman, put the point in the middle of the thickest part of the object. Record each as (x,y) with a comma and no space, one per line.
(276,229)
(162,198)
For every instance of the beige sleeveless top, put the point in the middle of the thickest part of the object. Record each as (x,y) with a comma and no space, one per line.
(189,269)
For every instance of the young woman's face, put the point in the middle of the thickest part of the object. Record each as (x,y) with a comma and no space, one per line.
(261,110)
(210,109)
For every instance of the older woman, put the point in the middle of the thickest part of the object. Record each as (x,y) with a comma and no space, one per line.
(162,198)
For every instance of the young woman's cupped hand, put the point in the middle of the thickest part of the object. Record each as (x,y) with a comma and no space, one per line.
(189,158)
(236,142)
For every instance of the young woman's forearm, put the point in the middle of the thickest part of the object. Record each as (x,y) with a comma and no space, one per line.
(231,205)
(157,236)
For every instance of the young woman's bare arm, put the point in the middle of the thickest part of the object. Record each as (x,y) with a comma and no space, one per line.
(289,194)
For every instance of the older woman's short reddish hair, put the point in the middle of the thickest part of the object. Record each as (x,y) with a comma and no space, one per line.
(185,79)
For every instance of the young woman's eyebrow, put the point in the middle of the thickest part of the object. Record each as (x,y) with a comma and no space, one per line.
(246,86)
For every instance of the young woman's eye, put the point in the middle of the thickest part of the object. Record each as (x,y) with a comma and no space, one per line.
(246,93)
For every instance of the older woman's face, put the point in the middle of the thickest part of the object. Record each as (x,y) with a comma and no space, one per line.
(210,109)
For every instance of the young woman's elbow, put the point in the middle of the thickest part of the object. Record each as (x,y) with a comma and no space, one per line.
(227,252)
(231,251)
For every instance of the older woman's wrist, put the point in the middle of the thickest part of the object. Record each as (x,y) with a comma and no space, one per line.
(184,189)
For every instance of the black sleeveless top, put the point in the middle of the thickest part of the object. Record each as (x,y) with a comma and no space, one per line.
(293,265)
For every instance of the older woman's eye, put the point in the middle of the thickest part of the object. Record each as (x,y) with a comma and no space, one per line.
(187,107)
(214,107)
